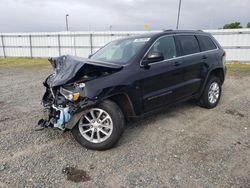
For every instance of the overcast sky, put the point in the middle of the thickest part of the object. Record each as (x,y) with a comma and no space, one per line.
(49,15)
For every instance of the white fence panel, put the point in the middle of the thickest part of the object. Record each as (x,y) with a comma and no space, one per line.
(82,52)
(233,39)
(1,47)
(16,41)
(236,43)
(17,52)
(44,41)
(45,52)
(82,45)
(238,54)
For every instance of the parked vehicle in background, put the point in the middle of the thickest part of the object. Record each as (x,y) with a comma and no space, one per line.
(128,78)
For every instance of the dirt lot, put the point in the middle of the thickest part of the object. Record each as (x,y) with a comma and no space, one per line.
(184,146)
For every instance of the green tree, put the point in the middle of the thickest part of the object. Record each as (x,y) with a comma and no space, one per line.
(248,25)
(234,25)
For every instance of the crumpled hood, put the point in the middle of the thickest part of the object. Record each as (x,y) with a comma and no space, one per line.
(67,67)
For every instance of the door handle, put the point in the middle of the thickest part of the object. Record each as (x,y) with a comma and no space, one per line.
(177,63)
(204,57)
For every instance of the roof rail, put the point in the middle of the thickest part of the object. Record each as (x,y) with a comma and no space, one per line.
(200,30)
(168,30)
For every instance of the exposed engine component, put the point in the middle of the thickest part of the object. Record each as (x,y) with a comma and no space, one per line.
(62,117)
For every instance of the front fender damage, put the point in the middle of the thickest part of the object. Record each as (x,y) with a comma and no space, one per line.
(70,92)
(74,120)
(79,113)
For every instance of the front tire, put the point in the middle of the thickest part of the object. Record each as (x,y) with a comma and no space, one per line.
(211,94)
(101,127)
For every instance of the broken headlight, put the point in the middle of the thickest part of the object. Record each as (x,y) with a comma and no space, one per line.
(69,95)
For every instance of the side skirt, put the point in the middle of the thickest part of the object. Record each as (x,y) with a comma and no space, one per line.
(152,112)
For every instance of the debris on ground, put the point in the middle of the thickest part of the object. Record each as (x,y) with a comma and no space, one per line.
(76,175)
(234,112)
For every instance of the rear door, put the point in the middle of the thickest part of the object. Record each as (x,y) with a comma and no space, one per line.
(208,48)
(193,62)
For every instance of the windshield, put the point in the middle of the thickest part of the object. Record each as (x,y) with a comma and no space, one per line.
(120,51)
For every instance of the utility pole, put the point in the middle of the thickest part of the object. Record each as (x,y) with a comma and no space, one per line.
(67,25)
(178,18)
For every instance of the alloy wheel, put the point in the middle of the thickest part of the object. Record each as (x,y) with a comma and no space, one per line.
(96,125)
(213,92)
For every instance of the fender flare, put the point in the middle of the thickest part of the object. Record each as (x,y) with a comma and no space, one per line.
(207,77)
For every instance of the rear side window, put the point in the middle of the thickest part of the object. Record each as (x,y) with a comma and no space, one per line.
(188,44)
(206,43)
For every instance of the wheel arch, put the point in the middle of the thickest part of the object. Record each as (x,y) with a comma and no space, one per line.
(125,104)
(218,72)
(121,99)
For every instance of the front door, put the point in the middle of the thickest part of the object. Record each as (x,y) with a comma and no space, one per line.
(160,80)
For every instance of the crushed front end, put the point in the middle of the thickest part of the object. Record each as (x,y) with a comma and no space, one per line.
(66,96)
(61,104)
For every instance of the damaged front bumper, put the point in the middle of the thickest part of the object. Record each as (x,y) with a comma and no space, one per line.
(61,113)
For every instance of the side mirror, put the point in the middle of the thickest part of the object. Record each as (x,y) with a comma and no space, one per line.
(90,55)
(152,57)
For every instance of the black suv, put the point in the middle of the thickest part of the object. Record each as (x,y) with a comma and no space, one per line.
(130,78)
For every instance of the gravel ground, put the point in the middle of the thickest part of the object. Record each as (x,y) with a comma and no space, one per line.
(184,146)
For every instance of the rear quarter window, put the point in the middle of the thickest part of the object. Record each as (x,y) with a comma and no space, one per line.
(188,44)
(206,43)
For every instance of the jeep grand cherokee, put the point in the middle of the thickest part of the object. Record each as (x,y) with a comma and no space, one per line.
(128,78)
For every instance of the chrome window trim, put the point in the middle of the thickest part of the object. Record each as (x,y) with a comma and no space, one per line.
(175,45)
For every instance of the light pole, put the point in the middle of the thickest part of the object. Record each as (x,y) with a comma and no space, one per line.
(67,25)
(179,10)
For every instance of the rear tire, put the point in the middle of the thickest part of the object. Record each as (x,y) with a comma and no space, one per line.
(102,128)
(212,93)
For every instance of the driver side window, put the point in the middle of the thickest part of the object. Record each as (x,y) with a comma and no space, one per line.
(166,46)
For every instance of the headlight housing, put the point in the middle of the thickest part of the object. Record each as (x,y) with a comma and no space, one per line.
(69,95)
